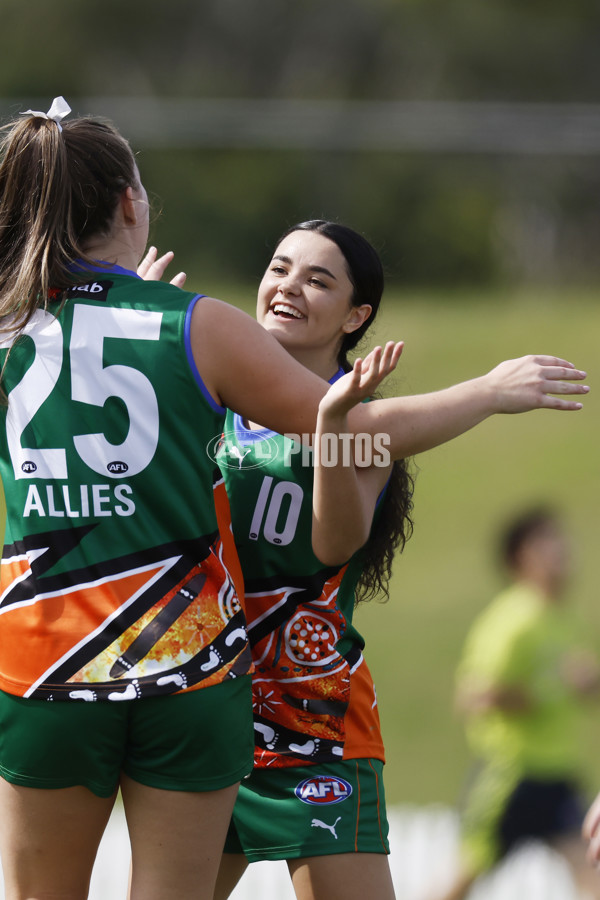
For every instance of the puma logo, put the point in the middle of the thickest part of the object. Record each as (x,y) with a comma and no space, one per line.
(235,452)
(316,823)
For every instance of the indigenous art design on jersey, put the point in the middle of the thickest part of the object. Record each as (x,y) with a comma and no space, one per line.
(301,683)
(139,615)
(115,583)
(314,700)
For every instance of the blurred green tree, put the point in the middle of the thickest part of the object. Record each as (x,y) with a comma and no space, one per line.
(438,217)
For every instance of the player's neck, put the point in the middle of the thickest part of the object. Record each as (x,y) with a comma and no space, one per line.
(116,249)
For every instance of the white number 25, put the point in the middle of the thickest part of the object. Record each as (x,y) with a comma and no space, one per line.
(92,383)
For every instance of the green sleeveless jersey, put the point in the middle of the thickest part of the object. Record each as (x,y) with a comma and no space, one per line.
(113,579)
(314,699)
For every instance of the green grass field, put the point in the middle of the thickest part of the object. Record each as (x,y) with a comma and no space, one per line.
(465,489)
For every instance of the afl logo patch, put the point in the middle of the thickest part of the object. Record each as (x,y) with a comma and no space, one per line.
(323,790)
(117,467)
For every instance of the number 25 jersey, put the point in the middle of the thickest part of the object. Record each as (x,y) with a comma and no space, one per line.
(113,580)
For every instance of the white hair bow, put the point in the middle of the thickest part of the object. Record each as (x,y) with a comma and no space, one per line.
(59,109)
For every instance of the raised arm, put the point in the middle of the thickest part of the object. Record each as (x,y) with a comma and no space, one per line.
(345,494)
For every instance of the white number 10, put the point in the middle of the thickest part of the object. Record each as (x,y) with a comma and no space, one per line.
(271,502)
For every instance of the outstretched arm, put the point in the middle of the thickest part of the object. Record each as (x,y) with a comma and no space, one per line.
(245,368)
(418,423)
(344,491)
(410,425)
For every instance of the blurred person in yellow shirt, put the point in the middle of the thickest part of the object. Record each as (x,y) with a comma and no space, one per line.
(524,673)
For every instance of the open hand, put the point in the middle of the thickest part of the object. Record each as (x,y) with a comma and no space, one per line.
(153,269)
(529,383)
(364,378)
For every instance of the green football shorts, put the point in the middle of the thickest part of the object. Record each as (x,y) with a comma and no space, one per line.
(200,740)
(313,810)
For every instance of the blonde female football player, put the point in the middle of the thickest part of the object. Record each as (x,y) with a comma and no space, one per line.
(309,549)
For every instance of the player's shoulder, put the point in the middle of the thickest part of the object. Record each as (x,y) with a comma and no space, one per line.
(213,309)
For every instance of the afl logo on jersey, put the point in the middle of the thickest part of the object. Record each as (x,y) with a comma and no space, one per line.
(323,790)
(29,467)
(117,467)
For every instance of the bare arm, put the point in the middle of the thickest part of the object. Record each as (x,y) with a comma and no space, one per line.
(245,369)
(242,366)
(579,673)
(412,424)
(418,423)
(472,699)
(344,495)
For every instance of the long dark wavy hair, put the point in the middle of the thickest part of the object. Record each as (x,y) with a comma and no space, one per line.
(393,523)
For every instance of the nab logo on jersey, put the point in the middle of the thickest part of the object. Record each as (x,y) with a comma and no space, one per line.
(95,290)
(323,790)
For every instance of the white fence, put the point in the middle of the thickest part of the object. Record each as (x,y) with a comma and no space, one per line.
(423,842)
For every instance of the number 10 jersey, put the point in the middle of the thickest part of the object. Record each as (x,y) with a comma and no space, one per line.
(314,698)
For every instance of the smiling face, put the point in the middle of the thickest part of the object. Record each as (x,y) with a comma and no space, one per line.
(305,300)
